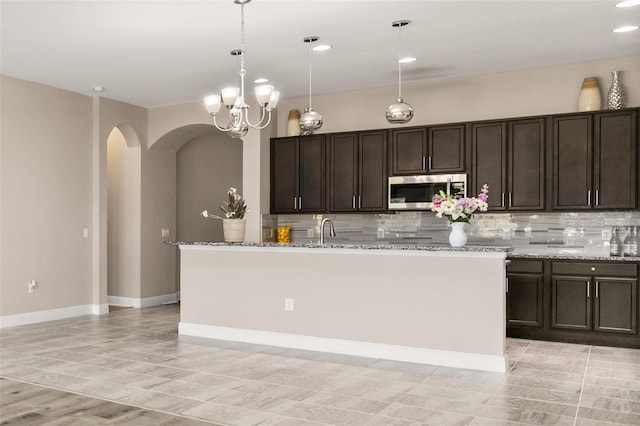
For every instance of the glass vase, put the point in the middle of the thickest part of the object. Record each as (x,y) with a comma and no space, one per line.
(458,236)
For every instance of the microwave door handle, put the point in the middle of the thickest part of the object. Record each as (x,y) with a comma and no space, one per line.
(449,186)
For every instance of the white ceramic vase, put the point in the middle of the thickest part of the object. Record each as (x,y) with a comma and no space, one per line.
(234,230)
(590,99)
(457,237)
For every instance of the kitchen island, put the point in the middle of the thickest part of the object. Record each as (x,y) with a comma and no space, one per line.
(431,305)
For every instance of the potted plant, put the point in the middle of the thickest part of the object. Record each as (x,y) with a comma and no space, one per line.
(233,222)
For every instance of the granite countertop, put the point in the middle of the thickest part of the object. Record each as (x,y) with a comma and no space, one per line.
(364,246)
(557,253)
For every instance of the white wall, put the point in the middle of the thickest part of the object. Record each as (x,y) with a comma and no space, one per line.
(514,94)
(46,197)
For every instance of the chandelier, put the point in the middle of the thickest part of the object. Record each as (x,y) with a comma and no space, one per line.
(399,112)
(234,100)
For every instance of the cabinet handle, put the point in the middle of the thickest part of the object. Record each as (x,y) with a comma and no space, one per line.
(589,197)
(299,203)
(507,285)
(597,197)
(359,201)
(353,202)
(597,289)
(502,202)
(510,200)
(295,203)
(588,290)
(429,162)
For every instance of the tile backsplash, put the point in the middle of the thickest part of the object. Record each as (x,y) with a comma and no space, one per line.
(585,231)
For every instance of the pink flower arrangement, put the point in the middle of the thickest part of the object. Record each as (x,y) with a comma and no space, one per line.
(460,209)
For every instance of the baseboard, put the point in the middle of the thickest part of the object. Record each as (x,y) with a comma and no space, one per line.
(146,302)
(349,347)
(52,315)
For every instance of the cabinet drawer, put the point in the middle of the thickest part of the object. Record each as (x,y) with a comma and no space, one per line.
(525,266)
(609,269)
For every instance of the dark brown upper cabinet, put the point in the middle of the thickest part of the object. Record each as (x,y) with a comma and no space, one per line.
(358,172)
(298,174)
(594,161)
(509,156)
(435,149)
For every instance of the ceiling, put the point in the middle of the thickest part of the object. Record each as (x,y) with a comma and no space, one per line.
(157,53)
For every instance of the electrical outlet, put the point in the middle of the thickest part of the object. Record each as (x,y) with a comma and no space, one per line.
(85,232)
(32,286)
(288,304)
(165,232)
(380,233)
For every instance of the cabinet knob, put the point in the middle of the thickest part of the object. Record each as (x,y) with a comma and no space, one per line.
(593,268)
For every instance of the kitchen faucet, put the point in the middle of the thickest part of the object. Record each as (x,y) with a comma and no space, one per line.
(332,231)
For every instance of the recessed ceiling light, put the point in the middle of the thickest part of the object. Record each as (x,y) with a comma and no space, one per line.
(628,3)
(626,29)
(407,59)
(260,80)
(98,89)
(321,47)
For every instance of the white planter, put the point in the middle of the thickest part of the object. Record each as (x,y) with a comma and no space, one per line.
(457,237)
(234,230)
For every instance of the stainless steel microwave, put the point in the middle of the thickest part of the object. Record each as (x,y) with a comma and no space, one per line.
(417,192)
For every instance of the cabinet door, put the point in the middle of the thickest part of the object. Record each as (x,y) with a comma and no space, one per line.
(312,174)
(408,151)
(571,302)
(572,163)
(526,165)
(343,172)
(616,305)
(373,171)
(284,175)
(525,300)
(446,149)
(615,171)
(489,156)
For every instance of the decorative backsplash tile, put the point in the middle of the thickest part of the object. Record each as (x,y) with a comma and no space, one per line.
(586,231)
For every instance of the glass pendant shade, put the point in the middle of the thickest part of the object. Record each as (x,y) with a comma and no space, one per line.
(310,120)
(273,100)
(212,103)
(263,94)
(399,112)
(229,96)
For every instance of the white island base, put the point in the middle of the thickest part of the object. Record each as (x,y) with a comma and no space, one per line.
(443,308)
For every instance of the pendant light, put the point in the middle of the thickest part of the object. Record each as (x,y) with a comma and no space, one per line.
(233,98)
(310,120)
(399,112)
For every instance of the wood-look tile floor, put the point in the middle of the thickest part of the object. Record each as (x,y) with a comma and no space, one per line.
(130,367)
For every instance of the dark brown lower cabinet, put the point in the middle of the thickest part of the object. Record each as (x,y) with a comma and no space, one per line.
(525,294)
(574,301)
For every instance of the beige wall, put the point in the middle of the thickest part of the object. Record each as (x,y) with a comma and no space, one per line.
(207,166)
(123,217)
(514,94)
(46,197)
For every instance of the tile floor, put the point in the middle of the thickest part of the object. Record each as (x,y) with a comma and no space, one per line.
(131,368)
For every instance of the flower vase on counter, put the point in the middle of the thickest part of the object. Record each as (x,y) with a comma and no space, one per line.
(589,99)
(458,236)
(234,230)
(615,97)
